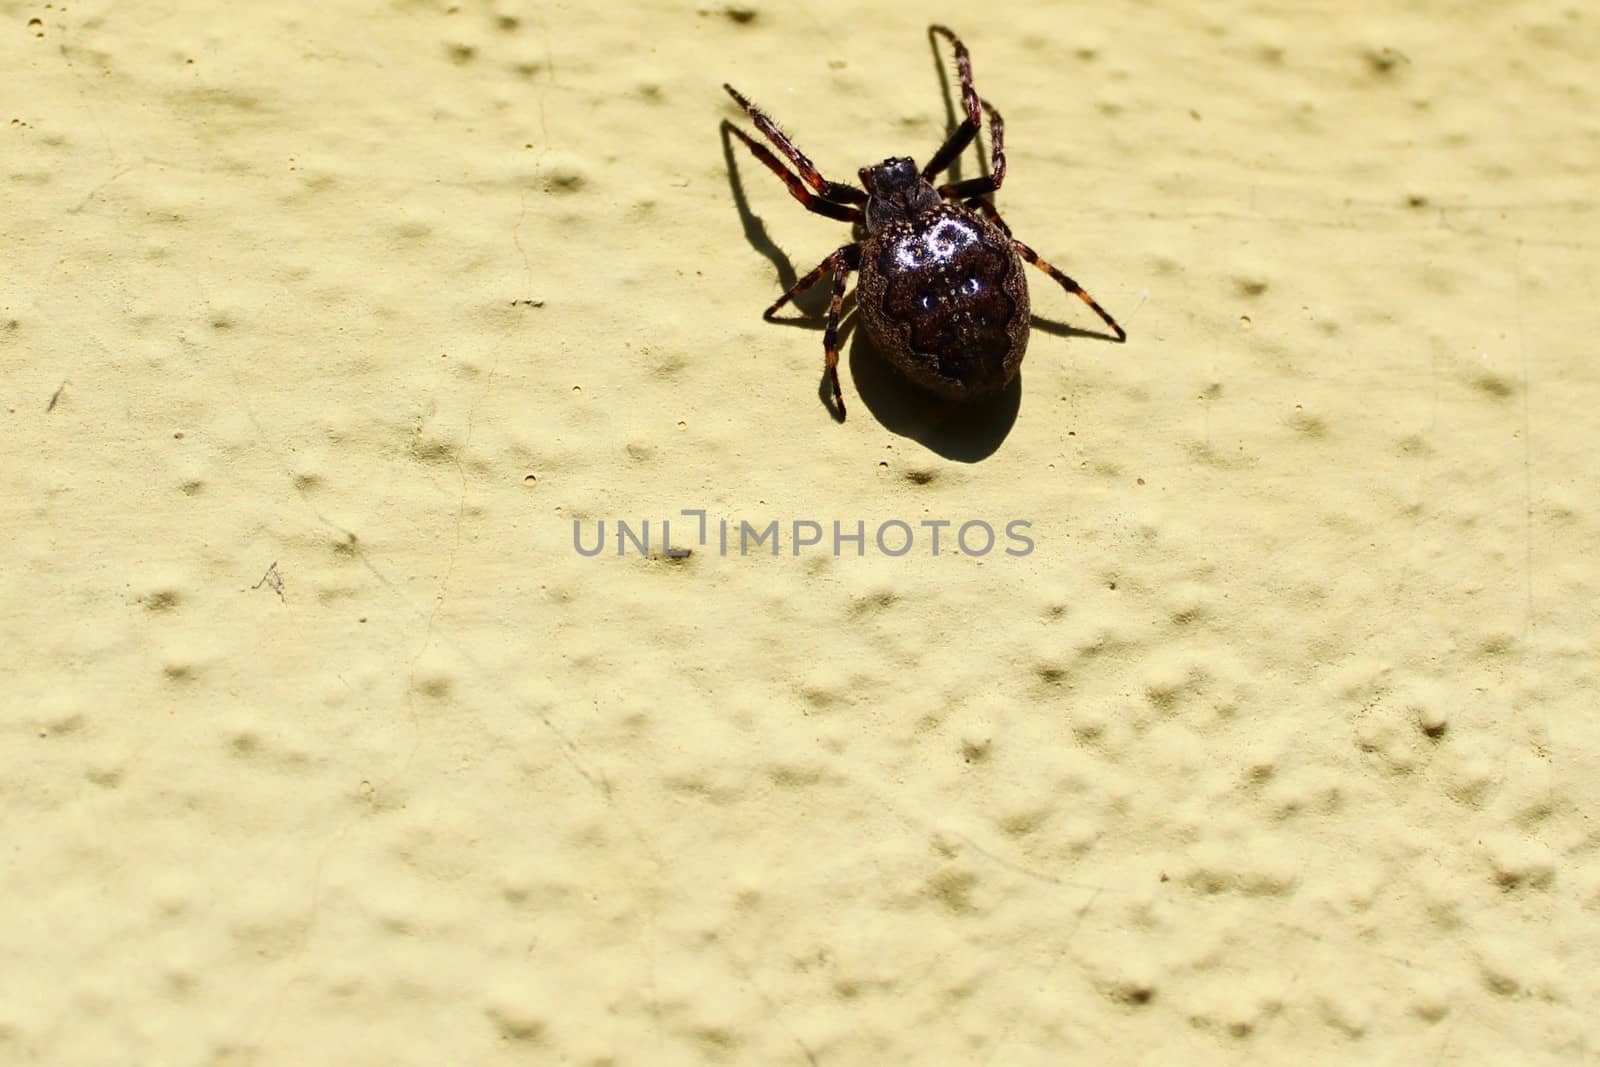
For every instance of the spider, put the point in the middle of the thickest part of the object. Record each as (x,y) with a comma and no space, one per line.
(941,291)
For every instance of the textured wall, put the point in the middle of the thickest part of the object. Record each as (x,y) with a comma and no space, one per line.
(321,326)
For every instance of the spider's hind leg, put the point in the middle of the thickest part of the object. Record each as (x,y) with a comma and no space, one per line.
(1033,257)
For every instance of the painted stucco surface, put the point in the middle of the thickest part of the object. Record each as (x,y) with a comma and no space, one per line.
(322,327)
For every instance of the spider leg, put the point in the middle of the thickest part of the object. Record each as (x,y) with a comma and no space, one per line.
(984,205)
(1033,257)
(830,336)
(1070,286)
(851,254)
(835,191)
(964,133)
(810,200)
(841,262)
(997,162)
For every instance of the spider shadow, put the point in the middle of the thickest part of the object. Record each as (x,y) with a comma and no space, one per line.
(964,431)
(967,432)
(813,300)
(1061,329)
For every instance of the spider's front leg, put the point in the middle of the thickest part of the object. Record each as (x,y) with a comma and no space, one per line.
(997,162)
(841,262)
(829,198)
(963,134)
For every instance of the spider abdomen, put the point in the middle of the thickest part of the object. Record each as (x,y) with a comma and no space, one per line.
(942,297)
